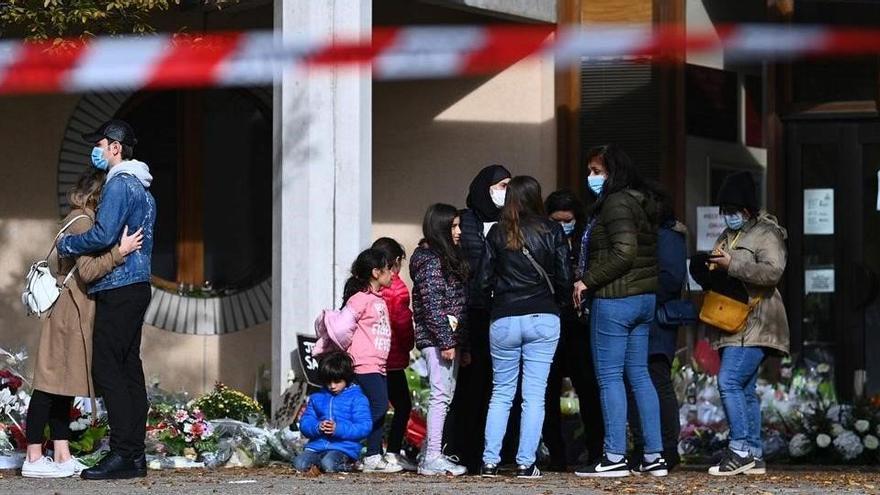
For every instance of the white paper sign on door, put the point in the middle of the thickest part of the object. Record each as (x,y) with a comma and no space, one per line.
(819,281)
(818,211)
(710,225)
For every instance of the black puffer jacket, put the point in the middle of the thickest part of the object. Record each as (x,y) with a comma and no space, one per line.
(514,284)
(473,243)
(623,247)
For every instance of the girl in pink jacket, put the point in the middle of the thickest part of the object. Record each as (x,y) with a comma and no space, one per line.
(402,342)
(370,343)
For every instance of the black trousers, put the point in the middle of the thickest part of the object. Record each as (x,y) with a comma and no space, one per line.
(48,409)
(465,427)
(398,395)
(575,360)
(660,369)
(117,369)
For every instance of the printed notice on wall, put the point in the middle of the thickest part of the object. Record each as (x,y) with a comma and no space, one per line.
(818,211)
(710,225)
(818,281)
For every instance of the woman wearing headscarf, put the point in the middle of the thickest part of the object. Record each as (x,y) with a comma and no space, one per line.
(470,404)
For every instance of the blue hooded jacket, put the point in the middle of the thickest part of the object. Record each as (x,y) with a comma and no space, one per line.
(350,410)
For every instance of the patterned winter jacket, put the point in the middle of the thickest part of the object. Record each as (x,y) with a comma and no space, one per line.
(437,296)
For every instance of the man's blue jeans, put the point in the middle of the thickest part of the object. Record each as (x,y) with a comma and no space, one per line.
(619,335)
(736,383)
(530,340)
(329,461)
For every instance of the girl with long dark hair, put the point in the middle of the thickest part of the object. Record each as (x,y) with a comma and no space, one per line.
(525,272)
(370,343)
(617,268)
(439,272)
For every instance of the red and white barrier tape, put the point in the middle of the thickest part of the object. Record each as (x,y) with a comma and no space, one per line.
(258,58)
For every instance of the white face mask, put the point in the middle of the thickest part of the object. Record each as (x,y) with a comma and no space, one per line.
(498,196)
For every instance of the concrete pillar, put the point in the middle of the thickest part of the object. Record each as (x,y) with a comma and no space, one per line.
(322,177)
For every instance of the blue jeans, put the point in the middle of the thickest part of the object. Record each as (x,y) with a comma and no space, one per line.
(375,387)
(736,383)
(529,340)
(330,461)
(619,335)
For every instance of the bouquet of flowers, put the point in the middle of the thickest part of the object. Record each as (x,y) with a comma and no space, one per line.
(186,433)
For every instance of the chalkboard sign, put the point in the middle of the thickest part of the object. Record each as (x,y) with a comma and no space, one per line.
(305,345)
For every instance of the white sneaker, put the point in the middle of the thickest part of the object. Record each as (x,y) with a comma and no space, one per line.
(398,459)
(44,467)
(441,465)
(72,466)
(376,464)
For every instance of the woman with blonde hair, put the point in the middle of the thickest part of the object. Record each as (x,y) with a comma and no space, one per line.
(64,357)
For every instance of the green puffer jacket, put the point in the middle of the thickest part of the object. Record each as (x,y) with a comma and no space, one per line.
(623,245)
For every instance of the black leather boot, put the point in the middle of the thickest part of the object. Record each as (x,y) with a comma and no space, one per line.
(112,467)
(140,465)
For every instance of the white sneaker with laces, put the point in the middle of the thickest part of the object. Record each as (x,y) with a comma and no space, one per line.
(44,467)
(376,464)
(441,465)
(73,466)
(400,460)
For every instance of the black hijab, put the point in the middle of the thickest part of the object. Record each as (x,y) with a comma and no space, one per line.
(478,198)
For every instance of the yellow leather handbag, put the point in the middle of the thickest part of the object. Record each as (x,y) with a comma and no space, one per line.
(724,312)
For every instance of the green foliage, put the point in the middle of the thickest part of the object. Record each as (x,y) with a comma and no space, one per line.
(225,402)
(55,19)
(90,440)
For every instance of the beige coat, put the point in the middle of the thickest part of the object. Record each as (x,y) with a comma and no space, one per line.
(64,358)
(758,260)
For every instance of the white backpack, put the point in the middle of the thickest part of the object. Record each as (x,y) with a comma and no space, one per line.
(41,288)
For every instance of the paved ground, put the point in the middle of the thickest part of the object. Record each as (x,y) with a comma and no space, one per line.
(283,480)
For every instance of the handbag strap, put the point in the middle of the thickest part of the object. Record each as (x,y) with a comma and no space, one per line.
(539,268)
(54,242)
(63,229)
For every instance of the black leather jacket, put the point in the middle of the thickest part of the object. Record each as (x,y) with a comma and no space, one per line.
(513,284)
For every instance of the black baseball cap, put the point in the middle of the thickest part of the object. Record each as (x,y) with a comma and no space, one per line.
(114,130)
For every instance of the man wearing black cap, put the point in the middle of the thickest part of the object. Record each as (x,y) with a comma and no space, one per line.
(121,297)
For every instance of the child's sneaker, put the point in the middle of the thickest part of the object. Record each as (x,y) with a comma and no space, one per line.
(760,467)
(732,464)
(605,469)
(44,467)
(376,464)
(656,468)
(400,460)
(441,465)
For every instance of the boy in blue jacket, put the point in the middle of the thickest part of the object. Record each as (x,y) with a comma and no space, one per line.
(337,418)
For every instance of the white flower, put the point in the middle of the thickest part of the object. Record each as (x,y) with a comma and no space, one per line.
(823,440)
(823,368)
(862,426)
(849,445)
(833,413)
(837,429)
(871,442)
(799,446)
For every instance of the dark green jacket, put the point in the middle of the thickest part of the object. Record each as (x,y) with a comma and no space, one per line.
(623,247)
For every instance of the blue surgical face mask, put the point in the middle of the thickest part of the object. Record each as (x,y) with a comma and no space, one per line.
(568,227)
(734,221)
(98,159)
(596,183)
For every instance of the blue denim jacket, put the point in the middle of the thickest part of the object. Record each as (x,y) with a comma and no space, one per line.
(124,202)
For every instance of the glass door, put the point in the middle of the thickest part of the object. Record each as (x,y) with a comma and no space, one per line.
(831,283)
